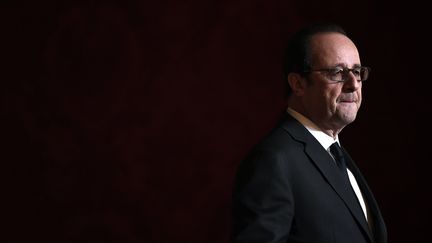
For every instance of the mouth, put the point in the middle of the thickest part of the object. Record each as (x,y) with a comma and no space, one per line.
(347,101)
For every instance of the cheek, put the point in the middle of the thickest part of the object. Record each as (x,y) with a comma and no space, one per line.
(359,98)
(333,96)
(332,100)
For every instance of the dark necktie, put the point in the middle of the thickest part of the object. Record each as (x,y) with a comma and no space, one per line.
(339,157)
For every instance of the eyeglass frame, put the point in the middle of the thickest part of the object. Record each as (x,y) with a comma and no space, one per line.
(345,72)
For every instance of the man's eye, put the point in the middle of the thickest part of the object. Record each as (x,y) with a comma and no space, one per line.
(336,71)
(356,71)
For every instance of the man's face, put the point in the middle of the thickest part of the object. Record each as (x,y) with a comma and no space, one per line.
(332,105)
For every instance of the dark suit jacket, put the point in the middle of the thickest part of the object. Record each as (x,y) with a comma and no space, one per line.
(289,189)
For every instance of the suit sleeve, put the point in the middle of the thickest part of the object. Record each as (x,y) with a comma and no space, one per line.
(263,205)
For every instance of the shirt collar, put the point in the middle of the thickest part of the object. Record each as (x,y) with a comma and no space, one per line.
(325,140)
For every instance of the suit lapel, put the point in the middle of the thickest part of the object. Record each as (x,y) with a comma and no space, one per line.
(328,169)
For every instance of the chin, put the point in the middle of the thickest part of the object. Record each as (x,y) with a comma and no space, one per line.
(347,117)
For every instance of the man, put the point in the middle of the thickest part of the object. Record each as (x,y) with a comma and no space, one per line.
(298,185)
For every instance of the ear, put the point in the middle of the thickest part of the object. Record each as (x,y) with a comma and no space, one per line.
(297,84)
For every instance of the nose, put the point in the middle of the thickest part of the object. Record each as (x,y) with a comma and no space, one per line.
(351,84)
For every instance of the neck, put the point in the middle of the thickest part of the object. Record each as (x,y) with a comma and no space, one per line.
(322,126)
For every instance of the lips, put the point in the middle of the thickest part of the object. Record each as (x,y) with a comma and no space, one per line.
(347,99)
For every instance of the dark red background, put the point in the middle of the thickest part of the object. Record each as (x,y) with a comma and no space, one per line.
(124,121)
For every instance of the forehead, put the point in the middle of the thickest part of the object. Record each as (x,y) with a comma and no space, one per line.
(332,49)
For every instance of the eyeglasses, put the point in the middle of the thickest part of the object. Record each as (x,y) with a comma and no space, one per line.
(339,74)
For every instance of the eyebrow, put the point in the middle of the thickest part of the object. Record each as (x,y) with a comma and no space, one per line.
(343,65)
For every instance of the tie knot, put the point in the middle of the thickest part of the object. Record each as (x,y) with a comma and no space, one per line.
(336,150)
